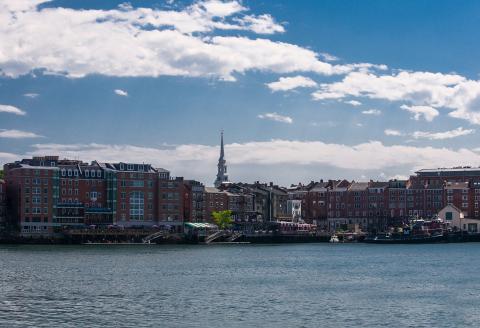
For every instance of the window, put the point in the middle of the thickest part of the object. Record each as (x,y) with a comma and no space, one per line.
(75,173)
(87,173)
(136,205)
(69,172)
(63,172)
(137,183)
(122,167)
(99,174)
(130,167)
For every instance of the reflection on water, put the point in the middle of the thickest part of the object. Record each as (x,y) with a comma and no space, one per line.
(304,285)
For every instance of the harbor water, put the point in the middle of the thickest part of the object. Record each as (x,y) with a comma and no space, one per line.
(294,285)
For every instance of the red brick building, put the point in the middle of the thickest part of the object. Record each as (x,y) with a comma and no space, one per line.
(3,205)
(215,200)
(194,201)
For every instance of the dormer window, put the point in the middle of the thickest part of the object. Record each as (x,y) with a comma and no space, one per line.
(140,167)
(75,173)
(130,167)
(63,172)
(122,167)
(87,173)
(69,172)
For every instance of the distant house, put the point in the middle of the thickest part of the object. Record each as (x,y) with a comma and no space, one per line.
(456,219)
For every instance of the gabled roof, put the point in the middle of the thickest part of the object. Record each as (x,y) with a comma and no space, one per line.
(358,186)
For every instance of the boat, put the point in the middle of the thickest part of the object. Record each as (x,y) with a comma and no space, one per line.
(388,238)
(334,239)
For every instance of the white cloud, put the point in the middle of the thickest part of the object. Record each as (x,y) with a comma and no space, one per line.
(428,113)
(328,57)
(353,103)
(262,24)
(117,42)
(17,134)
(295,155)
(31,95)
(375,112)
(121,92)
(11,110)
(290,83)
(458,132)
(433,90)
(391,132)
(276,117)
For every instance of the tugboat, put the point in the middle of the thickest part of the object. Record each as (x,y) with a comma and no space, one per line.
(418,232)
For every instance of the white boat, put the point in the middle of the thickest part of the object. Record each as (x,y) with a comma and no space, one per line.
(334,239)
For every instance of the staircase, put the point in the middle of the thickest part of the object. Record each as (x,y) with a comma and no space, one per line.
(214,236)
(236,235)
(154,236)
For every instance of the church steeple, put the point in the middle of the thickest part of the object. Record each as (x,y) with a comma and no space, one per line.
(222,152)
(222,165)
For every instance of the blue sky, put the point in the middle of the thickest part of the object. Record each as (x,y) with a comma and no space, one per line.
(304,89)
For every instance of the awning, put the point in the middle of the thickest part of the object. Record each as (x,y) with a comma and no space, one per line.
(200,225)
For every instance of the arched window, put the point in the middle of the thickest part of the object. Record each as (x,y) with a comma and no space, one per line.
(137,204)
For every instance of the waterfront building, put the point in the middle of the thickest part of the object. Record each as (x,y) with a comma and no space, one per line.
(337,199)
(297,202)
(240,202)
(3,205)
(215,200)
(194,201)
(48,195)
(170,201)
(457,220)
(278,203)
(316,201)
(33,187)
(294,208)
(222,175)
(261,200)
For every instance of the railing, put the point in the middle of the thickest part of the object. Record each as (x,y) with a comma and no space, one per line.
(153,236)
(235,236)
(214,236)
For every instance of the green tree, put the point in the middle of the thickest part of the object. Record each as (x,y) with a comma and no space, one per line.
(223,219)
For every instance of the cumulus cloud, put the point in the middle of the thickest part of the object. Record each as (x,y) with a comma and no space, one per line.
(391,132)
(11,110)
(458,132)
(290,83)
(131,42)
(328,57)
(121,92)
(17,134)
(425,91)
(375,112)
(195,160)
(353,103)
(428,113)
(276,117)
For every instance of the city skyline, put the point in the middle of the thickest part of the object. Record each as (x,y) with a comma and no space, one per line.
(300,96)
